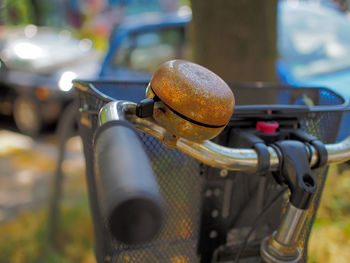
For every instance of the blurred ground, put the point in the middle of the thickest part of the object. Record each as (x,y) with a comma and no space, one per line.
(27,168)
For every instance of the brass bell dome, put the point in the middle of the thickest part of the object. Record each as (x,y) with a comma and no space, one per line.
(194,102)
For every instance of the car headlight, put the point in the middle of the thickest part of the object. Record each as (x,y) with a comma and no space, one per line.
(65,82)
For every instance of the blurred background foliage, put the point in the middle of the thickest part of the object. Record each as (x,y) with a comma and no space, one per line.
(91,19)
(330,237)
(25,238)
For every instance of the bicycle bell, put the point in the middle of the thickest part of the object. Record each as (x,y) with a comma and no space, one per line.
(188,100)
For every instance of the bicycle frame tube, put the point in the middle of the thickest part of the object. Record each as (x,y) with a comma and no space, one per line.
(209,152)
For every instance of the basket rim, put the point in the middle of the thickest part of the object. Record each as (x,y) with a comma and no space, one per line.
(89,86)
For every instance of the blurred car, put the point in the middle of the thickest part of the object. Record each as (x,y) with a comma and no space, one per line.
(313,42)
(143,42)
(40,64)
(314,47)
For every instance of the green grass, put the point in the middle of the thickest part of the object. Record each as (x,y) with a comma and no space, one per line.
(25,239)
(330,238)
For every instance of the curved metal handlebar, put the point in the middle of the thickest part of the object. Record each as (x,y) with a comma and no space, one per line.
(211,153)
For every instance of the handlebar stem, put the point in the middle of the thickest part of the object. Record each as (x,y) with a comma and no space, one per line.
(282,245)
(292,223)
(295,171)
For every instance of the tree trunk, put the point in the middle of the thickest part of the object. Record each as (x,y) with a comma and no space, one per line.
(39,11)
(236,38)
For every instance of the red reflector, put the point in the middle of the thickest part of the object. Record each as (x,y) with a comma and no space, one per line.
(268,127)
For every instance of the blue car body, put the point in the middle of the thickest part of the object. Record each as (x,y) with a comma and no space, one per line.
(314,49)
(133,26)
(292,15)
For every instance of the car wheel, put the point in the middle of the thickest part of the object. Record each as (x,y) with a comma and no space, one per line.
(27,116)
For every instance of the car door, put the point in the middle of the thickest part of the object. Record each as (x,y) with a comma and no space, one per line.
(143,51)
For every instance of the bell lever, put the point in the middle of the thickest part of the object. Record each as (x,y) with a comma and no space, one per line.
(145,107)
(282,245)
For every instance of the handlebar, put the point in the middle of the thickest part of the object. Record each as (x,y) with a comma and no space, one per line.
(128,193)
(209,152)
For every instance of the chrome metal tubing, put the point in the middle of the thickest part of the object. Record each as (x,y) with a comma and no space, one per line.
(223,157)
(208,152)
(339,152)
(291,226)
(116,110)
(282,245)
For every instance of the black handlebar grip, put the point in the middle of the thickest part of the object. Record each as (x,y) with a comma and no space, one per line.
(127,190)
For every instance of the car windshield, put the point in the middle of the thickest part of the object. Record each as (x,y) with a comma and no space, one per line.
(44,50)
(313,39)
(146,51)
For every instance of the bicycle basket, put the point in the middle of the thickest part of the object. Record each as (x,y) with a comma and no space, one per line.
(194,194)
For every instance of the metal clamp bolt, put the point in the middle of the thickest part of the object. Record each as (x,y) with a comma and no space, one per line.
(223,173)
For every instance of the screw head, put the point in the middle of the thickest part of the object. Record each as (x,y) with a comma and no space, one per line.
(223,173)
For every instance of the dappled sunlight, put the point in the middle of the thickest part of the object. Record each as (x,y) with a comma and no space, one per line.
(28,168)
(36,161)
(25,177)
(13,143)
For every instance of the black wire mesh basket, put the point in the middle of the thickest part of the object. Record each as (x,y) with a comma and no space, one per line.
(206,211)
